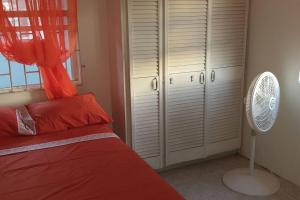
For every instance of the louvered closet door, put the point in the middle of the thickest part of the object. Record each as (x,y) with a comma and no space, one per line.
(144,50)
(226,58)
(186,30)
(223,110)
(227,28)
(185,117)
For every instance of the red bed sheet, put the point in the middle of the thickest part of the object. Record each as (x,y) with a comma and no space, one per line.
(104,169)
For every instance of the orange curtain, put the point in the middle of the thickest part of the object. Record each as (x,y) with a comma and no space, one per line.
(41,32)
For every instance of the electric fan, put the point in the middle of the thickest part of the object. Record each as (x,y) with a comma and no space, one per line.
(261,107)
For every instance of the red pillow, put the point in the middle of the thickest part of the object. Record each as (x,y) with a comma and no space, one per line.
(67,113)
(8,121)
(16,121)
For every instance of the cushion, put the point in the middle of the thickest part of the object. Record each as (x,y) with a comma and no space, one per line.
(8,121)
(16,121)
(67,113)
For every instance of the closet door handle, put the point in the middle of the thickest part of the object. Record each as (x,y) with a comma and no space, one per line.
(213,75)
(155,84)
(202,78)
(192,78)
(171,80)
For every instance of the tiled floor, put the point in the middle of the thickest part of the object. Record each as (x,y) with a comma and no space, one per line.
(203,181)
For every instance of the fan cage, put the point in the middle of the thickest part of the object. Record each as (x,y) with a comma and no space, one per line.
(263,96)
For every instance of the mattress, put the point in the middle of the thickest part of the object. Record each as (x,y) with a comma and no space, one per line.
(85,163)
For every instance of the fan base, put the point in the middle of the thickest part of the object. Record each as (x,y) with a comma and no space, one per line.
(261,183)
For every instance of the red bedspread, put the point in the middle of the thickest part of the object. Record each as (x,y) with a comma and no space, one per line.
(99,169)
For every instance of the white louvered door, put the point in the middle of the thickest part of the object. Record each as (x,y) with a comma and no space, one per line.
(224,103)
(226,60)
(185,117)
(227,33)
(186,29)
(144,23)
(186,77)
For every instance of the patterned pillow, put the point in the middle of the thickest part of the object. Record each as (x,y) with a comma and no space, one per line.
(26,125)
(16,121)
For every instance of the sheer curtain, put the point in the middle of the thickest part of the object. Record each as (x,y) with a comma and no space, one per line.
(41,32)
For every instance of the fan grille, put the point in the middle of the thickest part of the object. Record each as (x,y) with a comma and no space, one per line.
(263,102)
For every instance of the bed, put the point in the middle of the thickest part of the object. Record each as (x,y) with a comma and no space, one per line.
(84,163)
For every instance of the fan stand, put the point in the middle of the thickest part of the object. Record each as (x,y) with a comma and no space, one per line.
(252,181)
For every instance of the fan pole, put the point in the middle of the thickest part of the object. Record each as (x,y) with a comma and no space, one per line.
(252,156)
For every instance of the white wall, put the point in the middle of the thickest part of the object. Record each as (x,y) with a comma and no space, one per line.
(274,45)
(116,67)
(94,49)
(93,38)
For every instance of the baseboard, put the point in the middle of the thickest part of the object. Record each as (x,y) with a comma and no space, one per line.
(188,163)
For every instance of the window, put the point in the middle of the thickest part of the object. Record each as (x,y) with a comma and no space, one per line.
(17,77)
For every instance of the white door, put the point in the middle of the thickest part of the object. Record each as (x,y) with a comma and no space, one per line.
(144,25)
(186,35)
(227,25)
(227,28)
(224,103)
(186,31)
(185,117)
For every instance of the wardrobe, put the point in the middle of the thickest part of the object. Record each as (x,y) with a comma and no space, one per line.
(183,65)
